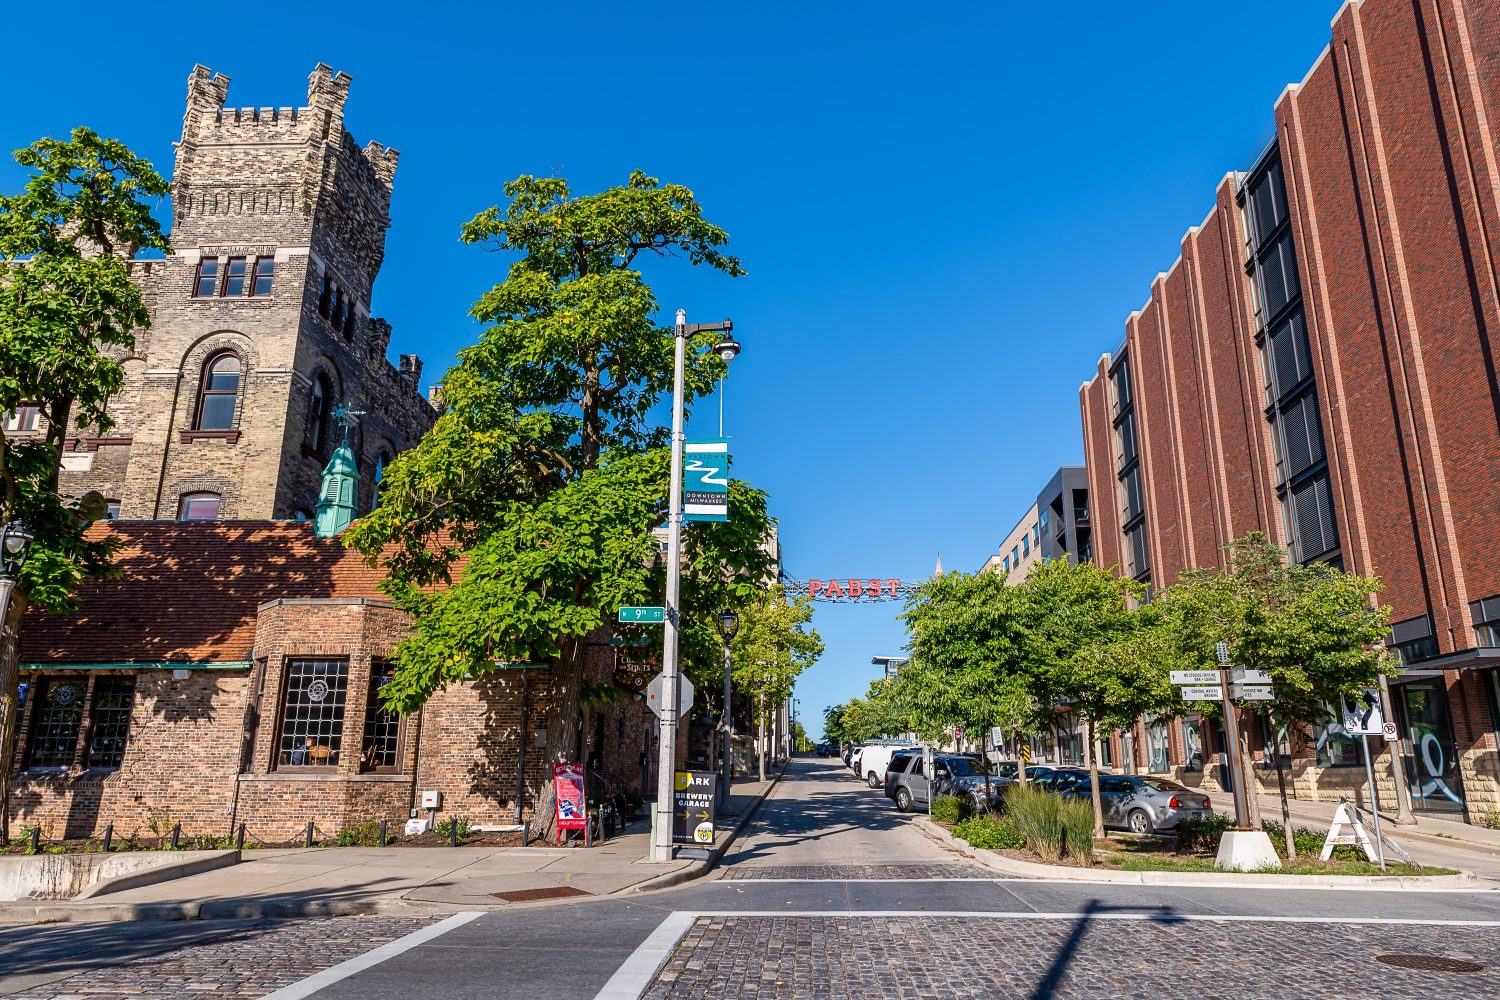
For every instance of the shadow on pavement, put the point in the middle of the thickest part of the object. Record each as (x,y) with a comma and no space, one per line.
(1059,967)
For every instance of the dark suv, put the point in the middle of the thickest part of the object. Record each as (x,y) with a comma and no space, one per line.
(952,774)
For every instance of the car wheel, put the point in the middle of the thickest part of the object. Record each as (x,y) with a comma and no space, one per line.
(1139,821)
(873,779)
(903,800)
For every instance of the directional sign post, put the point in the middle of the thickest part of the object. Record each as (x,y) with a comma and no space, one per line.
(693,797)
(1205,692)
(1244,675)
(1253,692)
(1195,677)
(643,616)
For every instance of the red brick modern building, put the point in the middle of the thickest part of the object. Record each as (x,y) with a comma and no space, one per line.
(1321,365)
(231,675)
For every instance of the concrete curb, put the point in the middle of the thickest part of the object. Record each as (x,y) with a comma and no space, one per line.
(56,913)
(700,868)
(206,862)
(1029,869)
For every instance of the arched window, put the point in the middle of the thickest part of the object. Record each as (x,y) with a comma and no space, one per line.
(199,507)
(317,416)
(218,392)
(382,460)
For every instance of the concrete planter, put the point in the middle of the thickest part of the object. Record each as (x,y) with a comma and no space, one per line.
(83,876)
(1029,869)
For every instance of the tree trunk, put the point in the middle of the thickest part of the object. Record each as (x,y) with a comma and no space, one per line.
(1020,762)
(1091,747)
(10,701)
(563,714)
(984,742)
(1286,814)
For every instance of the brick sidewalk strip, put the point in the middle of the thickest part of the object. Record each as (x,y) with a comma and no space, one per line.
(963,958)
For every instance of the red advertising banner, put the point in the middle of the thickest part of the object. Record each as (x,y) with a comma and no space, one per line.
(567,782)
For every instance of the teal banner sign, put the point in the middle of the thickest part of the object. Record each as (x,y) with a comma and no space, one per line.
(705,480)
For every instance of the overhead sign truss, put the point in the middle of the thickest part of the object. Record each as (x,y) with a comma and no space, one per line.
(849,590)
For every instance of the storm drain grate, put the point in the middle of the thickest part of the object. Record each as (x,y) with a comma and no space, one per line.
(1429,963)
(532,895)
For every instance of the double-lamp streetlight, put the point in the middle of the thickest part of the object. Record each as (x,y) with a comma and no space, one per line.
(726,348)
(14,541)
(729,624)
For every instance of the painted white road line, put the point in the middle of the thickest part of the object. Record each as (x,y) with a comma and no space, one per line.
(768,881)
(359,963)
(1163,918)
(1404,890)
(635,974)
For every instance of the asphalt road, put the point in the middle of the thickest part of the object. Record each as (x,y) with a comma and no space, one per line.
(832,894)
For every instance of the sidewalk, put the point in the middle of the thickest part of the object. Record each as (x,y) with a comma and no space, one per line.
(1428,829)
(328,881)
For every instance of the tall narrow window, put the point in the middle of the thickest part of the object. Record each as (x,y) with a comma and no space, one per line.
(381,461)
(323,294)
(199,507)
(234,277)
(265,267)
(382,744)
(317,416)
(220,388)
(55,722)
(336,309)
(348,324)
(312,713)
(208,277)
(109,723)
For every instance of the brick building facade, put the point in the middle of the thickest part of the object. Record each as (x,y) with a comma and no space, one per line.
(260,322)
(230,675)
(1320,365)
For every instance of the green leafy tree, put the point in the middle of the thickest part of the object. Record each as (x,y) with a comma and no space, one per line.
(1096,649)
(1316,630)
(523,519)
(835,726)
(68,313)
(774,645)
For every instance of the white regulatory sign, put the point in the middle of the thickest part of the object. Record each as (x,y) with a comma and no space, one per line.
(1204,693)
(1391,733)
(1195,677)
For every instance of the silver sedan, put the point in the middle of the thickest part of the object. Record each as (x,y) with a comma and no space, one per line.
(1145,804)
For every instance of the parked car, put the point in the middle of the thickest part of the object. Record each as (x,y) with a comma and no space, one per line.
(849,752)
(1143,804)
(874,760)
(1062,779)
(907,783)
(1011,769)
(900,762)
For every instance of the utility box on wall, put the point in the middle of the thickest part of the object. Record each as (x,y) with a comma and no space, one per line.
(432,800)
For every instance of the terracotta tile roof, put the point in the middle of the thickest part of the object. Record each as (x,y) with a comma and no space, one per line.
(189,590)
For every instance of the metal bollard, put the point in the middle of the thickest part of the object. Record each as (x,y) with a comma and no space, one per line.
(309,833)
(239,838)
(453,832)
(36,840)
(176,834)
(526,834)
(382,833)
(109,836)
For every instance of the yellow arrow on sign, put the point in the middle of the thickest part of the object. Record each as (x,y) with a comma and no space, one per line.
(703,815)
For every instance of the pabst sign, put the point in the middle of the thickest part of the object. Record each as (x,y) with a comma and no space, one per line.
(853,589)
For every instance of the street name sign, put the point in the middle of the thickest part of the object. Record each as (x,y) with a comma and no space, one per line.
(643,616)
(1203,693)
(693,798)
(1253,692)
(1195,677)
(656,692)
(1245,675)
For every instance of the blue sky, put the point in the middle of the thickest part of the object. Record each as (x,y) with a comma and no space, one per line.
(946,214)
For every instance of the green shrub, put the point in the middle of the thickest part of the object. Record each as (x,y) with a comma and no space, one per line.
(1199,835)
(989,834)
(445,828)
(367,834)
(1037,815)
(1309,842)
(1490,818)
(950,809)
(1077,819)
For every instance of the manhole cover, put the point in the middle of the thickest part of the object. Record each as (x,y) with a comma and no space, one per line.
(1429,963)
(532,895)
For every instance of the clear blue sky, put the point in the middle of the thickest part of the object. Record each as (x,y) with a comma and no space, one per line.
(946,214)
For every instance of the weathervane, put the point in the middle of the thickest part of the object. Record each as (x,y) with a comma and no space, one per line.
(346,418)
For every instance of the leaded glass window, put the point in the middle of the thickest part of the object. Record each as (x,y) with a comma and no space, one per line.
(312,713)
(382,744)
(55,720)
(110,725)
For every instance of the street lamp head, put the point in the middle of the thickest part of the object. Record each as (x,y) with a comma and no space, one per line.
(14,539)
(729,624)
(727,348)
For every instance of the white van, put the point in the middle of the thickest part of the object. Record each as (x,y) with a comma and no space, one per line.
(876,758)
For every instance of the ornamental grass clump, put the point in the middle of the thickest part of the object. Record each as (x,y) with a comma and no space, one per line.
(1037,816)
(1077,820)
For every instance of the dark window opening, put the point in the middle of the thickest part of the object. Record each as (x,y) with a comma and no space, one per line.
(312,713)
(199,507)
(348,325)
(1418,650)
(317,419)
(336,309)
(109,724)
(218,393)
(57,715)
(382,743)
(323,295)
(111,510)
(207,282)
(265,268)
(1311,508)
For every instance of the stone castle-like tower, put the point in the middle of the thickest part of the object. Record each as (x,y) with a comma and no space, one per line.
(260,322)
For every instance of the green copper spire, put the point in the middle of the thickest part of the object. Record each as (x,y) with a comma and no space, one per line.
(340,479)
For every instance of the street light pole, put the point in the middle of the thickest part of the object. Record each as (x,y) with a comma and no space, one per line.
(14,540)
(729,624)
(727,348)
